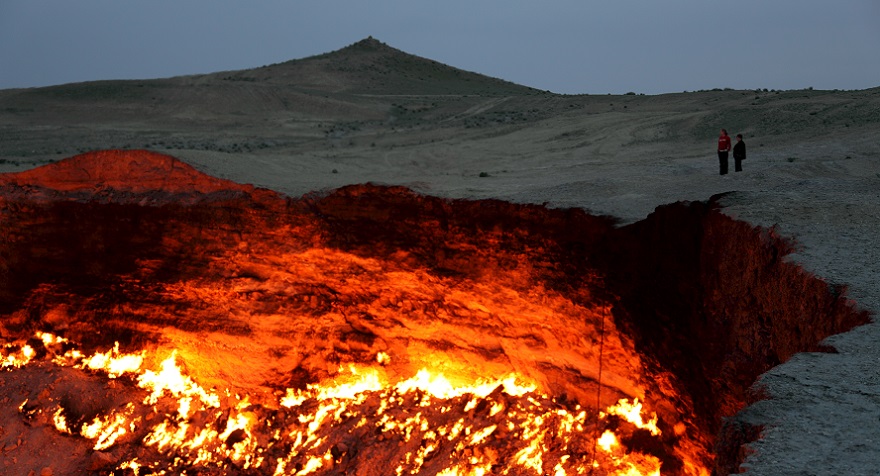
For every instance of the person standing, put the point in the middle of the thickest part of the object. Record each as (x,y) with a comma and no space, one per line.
(739,153)
(723,149)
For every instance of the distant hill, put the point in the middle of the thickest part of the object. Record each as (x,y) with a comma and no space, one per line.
(372,67)
(368,67)
(359,82)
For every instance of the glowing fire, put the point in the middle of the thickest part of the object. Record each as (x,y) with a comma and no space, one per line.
(442,427)
(632,412)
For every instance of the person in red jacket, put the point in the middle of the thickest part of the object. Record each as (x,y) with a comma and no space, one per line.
(723,149)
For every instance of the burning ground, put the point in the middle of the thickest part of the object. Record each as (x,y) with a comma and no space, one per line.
(160,320)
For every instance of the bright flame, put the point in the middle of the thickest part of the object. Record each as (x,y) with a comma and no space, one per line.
(114,363)
(59,421)
(632,412)
(105,431)
(172,381)
(607,441)
(428,414)
(438,386)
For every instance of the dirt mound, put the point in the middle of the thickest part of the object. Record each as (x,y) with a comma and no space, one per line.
(119,173)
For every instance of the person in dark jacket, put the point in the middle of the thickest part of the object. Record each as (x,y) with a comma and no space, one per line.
(739,153)
(723,149)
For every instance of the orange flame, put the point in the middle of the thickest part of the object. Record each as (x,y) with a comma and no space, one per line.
(202,431)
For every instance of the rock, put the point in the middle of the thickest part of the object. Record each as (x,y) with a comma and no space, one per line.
(236,436)
(47,471)
(100,460)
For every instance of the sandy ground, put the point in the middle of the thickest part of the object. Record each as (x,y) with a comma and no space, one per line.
(809,173)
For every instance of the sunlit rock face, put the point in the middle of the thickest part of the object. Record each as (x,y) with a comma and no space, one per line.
(371,330)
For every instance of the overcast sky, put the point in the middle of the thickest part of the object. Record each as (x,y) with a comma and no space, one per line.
(565,46)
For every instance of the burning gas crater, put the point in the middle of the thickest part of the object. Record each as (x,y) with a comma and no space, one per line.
(490,427)
(160,321)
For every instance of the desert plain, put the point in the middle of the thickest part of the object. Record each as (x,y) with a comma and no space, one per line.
(372,113)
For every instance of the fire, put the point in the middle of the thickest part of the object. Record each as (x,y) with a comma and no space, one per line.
(17,356)
(105,431)
(441,424)
(632,412)
(608,441)
(114,363)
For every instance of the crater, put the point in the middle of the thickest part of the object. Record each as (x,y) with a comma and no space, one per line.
(259,295)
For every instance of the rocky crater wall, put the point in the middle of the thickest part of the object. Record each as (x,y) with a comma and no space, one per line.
(291,288)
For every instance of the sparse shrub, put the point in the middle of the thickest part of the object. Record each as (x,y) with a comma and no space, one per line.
(484,174)
(791,159)
(334,171)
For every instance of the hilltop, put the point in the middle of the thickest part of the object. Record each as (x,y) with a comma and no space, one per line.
(372,67)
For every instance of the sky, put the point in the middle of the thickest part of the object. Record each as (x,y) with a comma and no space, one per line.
(564,46)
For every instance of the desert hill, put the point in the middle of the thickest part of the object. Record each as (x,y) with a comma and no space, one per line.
(372,67)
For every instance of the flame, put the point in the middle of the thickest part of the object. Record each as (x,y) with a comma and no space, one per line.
(114,363)
(17,358)
(632,412)
(607,441)
(60,421)
(171,380)
(105,431)
(448,422)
